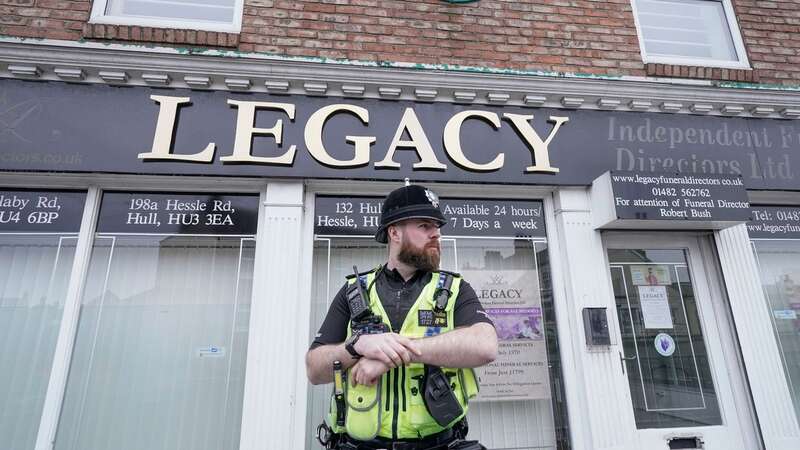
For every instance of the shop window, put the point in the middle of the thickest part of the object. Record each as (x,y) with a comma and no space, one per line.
(38,234)
(689,32)
(515,408)
(779,264)
(161,343)
(521,403)
(208,15)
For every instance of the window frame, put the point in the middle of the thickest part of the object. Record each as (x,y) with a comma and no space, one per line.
(95,186)
(99,16)
(736,36)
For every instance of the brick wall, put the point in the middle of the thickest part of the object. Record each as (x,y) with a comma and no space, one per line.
(580,36)
(53,19)
(771,31)
(553,35)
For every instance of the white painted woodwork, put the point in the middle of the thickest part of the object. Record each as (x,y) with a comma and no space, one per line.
(69,324)
(121,63)
(600,414)
(779,427)
(271,373)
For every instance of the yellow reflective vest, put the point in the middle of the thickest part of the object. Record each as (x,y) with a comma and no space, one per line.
(394,407)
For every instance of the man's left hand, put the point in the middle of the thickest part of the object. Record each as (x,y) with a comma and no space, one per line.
(367,371)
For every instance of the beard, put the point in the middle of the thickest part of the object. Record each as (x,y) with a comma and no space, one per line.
(425,258)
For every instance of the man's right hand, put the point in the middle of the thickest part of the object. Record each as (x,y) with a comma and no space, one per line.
(389,348)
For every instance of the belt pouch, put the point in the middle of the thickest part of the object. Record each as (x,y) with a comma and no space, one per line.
(363,417)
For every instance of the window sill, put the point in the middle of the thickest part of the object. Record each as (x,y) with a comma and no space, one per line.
(705,73)
(160,35)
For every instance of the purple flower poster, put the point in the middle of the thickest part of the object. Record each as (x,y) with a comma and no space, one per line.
(511,299)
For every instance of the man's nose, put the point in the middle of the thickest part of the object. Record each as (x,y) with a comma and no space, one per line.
(437,233)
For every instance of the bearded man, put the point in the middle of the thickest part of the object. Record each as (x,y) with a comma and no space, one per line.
(400,341)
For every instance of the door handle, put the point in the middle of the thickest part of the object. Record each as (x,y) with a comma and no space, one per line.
(623,358)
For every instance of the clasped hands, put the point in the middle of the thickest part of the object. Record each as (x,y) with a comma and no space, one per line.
(381,353)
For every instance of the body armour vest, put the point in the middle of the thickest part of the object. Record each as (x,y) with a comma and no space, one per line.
(394,408)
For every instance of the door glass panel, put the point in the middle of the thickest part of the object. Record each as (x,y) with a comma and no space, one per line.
(779,264)
(33,285)
(667,363)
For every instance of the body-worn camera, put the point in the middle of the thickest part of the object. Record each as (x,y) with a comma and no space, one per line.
(372,325)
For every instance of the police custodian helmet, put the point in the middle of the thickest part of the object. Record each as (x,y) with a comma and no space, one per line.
(408,202)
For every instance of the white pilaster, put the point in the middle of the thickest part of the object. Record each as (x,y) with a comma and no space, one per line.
(54,397)
(268,419)
(599,405)
(779,427)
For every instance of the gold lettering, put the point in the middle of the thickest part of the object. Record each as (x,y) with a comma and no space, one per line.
(245,129)
(313,136)
(452,140)
(162,140)
(541,155)
(419,142)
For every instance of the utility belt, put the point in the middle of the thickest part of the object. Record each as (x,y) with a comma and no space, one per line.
(450,439)
(436,441)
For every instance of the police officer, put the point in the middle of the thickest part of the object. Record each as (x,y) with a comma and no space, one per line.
(404,362)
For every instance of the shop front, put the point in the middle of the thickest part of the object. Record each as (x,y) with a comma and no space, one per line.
(775,237)
(169,255)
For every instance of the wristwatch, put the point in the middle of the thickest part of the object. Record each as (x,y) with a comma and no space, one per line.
(350,345)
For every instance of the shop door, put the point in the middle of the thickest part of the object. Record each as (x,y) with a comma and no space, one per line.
(678,354)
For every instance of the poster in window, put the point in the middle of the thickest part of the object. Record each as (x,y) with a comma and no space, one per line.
(650,275)
(654,303)
(788,300)
(511,299)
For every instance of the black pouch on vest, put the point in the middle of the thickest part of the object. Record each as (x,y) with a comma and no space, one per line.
(440,400)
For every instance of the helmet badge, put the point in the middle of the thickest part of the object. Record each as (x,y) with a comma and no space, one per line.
(433,198)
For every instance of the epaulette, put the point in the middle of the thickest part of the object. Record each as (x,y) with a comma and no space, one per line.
(362,274)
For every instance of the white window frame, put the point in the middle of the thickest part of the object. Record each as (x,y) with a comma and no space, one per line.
(733,28)
(99,16)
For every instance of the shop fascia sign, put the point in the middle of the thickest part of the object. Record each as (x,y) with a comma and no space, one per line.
(408,125)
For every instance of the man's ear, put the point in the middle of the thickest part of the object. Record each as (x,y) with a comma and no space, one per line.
(393,231)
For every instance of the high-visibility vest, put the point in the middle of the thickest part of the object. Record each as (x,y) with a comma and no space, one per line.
(394,407)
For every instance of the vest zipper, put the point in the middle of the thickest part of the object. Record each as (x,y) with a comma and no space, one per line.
(388,389)
(403,385)
(396,404)
(389,373)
